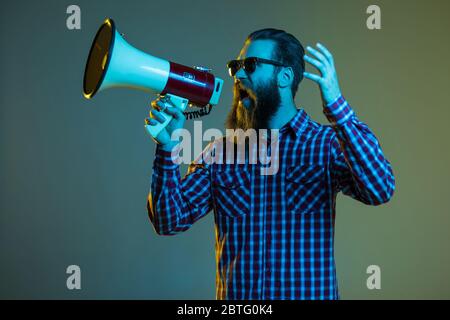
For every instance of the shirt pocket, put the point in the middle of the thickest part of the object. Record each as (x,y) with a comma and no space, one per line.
(232,192)
(306,188)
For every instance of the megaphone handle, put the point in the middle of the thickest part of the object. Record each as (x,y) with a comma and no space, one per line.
(176,101)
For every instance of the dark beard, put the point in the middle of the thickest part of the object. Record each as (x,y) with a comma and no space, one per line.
(263,107)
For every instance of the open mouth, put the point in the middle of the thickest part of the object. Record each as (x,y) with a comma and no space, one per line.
(243,94)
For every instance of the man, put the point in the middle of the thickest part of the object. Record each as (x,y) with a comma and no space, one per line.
(274,233)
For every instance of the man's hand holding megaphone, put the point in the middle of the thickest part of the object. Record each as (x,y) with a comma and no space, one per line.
(159,106)
(113,63)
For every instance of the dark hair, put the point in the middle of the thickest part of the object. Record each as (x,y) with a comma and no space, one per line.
(288,50)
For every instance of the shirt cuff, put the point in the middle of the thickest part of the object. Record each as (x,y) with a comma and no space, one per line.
(167,160)
(338,111)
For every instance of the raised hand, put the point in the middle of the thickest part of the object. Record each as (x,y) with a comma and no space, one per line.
(328,82)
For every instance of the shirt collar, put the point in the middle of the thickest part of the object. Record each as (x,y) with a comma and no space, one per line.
(297,124)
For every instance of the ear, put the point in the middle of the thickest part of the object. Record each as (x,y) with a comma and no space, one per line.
(285,77)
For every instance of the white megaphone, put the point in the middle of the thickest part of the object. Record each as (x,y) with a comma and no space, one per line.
(112,63)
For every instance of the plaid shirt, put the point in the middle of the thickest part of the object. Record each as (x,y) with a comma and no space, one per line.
(275,233)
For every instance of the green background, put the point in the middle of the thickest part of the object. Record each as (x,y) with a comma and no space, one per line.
(75,173)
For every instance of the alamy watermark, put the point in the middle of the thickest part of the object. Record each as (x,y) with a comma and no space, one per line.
(73,21)
(374,280)
(235,147)
(73,281)
(373,22)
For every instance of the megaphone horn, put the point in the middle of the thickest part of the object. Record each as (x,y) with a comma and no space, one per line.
(114,63)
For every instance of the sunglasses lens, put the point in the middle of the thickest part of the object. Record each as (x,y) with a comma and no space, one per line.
(249,65)
(233,67)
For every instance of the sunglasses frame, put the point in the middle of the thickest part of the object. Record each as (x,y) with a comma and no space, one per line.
(241,64)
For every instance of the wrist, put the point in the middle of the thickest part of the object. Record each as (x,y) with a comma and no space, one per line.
(168,146)
(166,159)
(331,100)
(339,111)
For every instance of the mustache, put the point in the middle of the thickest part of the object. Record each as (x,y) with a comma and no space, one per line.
(257,113)
(242,90)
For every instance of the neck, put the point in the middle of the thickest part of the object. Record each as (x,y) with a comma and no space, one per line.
(284,114)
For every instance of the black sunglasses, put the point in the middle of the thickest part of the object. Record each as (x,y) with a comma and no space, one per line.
(249,65)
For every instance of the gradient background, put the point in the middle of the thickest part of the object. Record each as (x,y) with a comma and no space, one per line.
(75,173)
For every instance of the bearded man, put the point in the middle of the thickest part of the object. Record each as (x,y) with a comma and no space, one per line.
(274,232)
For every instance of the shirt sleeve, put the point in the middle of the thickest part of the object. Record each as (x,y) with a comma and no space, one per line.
(358,167)
(175,203)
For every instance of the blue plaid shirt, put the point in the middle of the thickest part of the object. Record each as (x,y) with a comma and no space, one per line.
(275,233)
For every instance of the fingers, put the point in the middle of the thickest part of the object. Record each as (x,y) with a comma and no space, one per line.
(157,115)
(319,56)
(313,77)
(163,109)
(174,112)
(151,122)
(326,53)
(322,59)
(319,65)
(158,105)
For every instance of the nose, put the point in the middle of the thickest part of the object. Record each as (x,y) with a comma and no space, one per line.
(240,74)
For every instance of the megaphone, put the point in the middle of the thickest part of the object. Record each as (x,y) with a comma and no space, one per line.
(112,63)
